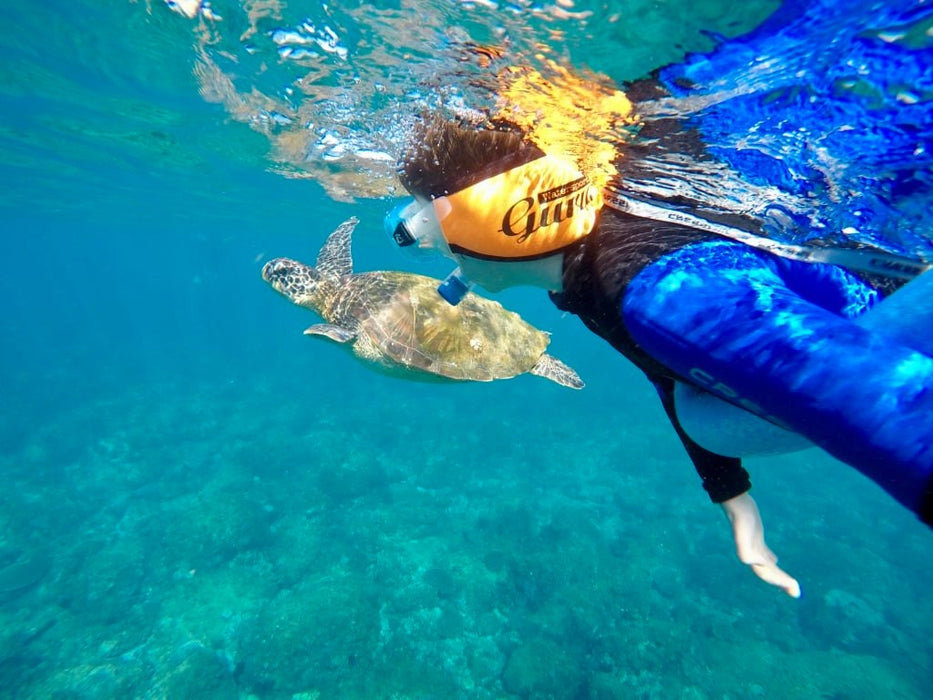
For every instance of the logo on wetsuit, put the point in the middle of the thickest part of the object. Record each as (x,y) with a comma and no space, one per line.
(707,381)
(551,204)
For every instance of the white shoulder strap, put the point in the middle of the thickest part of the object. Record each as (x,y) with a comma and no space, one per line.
(864,260)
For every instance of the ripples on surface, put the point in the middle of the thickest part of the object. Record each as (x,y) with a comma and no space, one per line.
(830,111)
(334,87)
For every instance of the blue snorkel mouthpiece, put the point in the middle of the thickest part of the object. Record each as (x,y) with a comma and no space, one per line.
(454,288)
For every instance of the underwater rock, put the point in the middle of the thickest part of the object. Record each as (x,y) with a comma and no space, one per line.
(200,674)
(667,581)
(23,572)
(443,582)
(854,608)
(207,531)
(605,686)
(861,627)
(845,621)
(542,668)
(484,658)
(354,478)
(87,681)
(331,624)
(107,583)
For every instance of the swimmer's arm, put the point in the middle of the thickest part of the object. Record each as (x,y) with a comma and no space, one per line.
(723,477)
(728,484)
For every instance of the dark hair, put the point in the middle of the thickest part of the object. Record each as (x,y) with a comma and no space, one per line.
(444,156)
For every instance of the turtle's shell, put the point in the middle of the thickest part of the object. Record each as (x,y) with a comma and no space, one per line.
(401,319)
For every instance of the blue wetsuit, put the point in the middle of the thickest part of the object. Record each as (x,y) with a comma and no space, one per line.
(771,335)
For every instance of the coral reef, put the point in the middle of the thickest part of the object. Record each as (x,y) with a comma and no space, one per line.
(274,553)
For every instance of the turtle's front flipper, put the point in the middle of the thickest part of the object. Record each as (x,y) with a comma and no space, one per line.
(551,368)
(334,259)
(336,333)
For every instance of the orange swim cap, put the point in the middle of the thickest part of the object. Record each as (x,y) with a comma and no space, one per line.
(530,211)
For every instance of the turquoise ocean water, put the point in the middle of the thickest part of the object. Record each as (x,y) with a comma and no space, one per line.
(199,502)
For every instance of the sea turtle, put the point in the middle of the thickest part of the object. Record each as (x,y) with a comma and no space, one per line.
(398,321)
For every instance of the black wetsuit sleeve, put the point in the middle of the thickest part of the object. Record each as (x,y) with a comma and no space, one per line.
(723,477)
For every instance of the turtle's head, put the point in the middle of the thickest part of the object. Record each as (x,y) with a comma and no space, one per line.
(300,283)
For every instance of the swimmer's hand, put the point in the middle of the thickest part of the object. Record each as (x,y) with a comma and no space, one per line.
(750,546)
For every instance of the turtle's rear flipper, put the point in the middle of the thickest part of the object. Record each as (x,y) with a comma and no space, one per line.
(551,368)
(335,333)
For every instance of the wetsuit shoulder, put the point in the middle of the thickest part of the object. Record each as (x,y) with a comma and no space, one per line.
(599,268)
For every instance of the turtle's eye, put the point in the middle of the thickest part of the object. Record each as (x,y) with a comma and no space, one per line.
(277,270)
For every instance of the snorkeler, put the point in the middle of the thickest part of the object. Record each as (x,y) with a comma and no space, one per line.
(721,328)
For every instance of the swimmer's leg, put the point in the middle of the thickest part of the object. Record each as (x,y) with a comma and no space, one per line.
(906,316)
(723,428)
(720,315)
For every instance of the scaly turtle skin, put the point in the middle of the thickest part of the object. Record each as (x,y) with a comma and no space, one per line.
(398,321)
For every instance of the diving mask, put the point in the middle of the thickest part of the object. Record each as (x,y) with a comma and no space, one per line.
(525,213)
